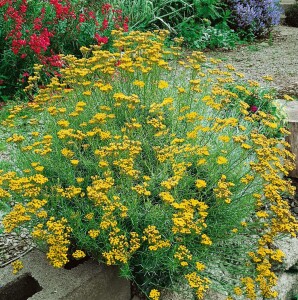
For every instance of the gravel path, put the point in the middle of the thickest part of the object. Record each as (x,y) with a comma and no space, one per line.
(278,58)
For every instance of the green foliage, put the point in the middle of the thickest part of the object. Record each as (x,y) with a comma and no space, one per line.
(203,35)
(292,15)
(163,169)
(202,23)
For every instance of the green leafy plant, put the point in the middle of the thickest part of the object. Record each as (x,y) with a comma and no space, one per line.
(292,15)
(162,169)
(202,23)
(36,32)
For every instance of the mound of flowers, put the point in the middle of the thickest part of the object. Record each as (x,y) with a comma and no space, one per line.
(165,166)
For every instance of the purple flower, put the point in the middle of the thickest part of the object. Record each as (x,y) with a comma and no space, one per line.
(256,16)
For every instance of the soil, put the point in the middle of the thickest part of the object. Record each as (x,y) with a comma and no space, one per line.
(277,57)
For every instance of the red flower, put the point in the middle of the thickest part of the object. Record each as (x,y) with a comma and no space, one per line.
(81,18)
(23,8)
(125,24)
(254,108)
(37,24)
(92,15)
(40,42)
(104,24)
(17,44)
(101,39)
(106,8)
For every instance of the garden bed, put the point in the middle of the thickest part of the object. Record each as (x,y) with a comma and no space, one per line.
(151,234)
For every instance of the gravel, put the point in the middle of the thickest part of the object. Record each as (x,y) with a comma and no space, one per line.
(278,58)
(14,245)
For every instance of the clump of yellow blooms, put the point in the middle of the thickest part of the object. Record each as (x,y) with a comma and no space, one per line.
(154,162)
(78,254)
(154,294)
(17,266)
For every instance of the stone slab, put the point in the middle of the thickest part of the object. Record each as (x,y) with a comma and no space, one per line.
(289,246)
(87,281)
(290,109)
(287,286)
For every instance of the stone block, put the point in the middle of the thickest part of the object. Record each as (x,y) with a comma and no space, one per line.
(291,110)
(289,246)
(88,281)
(287,286)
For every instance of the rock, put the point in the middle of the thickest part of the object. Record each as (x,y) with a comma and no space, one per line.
(295,210)
(291,90)
(289,246)
(89,281)
(185,293)
(287,286)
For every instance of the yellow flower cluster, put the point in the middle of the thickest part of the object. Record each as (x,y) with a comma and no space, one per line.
(17,266)
(222,190)
(183,255)
(154,294)
(198,283)
(57,238)
(154,239)
(190,217)
(138,159)
(79,254)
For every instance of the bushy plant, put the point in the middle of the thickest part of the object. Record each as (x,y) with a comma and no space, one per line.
(202,35)
(34,32)
(161,169)
(202,23)
(255,18)
(292,15)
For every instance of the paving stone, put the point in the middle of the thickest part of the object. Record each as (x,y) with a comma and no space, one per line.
(87,281)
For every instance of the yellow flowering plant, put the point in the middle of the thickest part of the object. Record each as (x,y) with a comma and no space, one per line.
(147,160)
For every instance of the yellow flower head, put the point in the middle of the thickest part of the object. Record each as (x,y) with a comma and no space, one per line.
(78,254)
(163,84)
(221,160)
(93,233)
(154,294)
(201,183)
(39,168)
(139,83)
(74,162)
(17,266)
(79,179)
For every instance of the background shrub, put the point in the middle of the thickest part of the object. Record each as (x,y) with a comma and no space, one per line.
(292,15)
(36,32)
(254,18)
(202,23)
